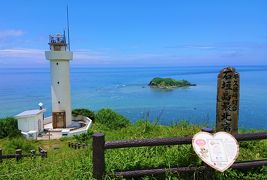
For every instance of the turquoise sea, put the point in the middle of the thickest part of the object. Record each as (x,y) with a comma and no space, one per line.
(125,90)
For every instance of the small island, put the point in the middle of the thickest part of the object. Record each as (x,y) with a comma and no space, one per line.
(168,83)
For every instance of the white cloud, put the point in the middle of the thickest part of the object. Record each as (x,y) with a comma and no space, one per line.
(10,33)
(221,46)
(89,55)
(193,46)
(22,53)
(39,53)
(199,47)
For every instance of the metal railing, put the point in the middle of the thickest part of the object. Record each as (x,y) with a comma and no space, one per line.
(57,39)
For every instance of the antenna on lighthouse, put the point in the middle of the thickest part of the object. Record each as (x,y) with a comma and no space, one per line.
(68,27)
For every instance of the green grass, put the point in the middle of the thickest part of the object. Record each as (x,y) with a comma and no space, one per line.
(67,163)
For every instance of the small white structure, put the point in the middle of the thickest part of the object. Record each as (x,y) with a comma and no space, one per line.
(32,135)
(65,132)
(60,57)
(31,120)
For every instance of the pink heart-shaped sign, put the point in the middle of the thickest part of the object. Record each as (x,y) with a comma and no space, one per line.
(218,151)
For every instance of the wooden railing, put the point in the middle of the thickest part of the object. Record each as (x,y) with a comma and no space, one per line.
(99,147)
(18,154)
(77,145)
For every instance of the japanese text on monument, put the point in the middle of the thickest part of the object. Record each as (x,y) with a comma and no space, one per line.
(227,101)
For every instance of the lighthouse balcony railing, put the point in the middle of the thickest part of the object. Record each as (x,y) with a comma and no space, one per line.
(57,39)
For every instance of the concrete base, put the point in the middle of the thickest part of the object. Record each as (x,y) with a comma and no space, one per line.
(77,128)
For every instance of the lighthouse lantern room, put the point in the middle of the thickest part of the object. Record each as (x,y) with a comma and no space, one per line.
(59,57)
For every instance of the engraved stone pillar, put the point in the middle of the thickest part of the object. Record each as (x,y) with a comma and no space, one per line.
(227,107)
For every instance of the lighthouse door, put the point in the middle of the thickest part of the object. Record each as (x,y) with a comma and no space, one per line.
(59,120)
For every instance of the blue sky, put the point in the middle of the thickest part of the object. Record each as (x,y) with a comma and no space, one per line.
(137,32)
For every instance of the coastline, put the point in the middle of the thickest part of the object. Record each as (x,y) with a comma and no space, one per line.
(121,89)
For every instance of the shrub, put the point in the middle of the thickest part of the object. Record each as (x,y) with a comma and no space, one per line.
(84,112)
(19,143)
(111,119)
(9,127)
(145,125)
(85,137)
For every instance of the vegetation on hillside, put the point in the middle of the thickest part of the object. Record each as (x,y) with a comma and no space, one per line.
(84,112)
(111,119)
(168,83)
(9,127)
(68,163)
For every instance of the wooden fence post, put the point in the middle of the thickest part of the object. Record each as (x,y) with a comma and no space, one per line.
(33,153)
(208,174)
(42,153)
(208,130)
(45,153)
(18,154)
(98,155)
(1,153)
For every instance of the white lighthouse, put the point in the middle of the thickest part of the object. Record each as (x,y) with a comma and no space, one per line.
(60,57)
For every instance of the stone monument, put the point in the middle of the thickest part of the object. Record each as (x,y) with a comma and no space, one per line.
(227,108)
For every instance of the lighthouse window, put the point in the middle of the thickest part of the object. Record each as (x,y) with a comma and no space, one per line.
(58,82)
(57,48)
(58,102)
(57,63)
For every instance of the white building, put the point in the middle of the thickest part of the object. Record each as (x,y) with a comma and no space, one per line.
(60,57)
(31,120)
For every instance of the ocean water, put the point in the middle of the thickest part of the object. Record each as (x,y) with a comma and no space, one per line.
(125,90)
